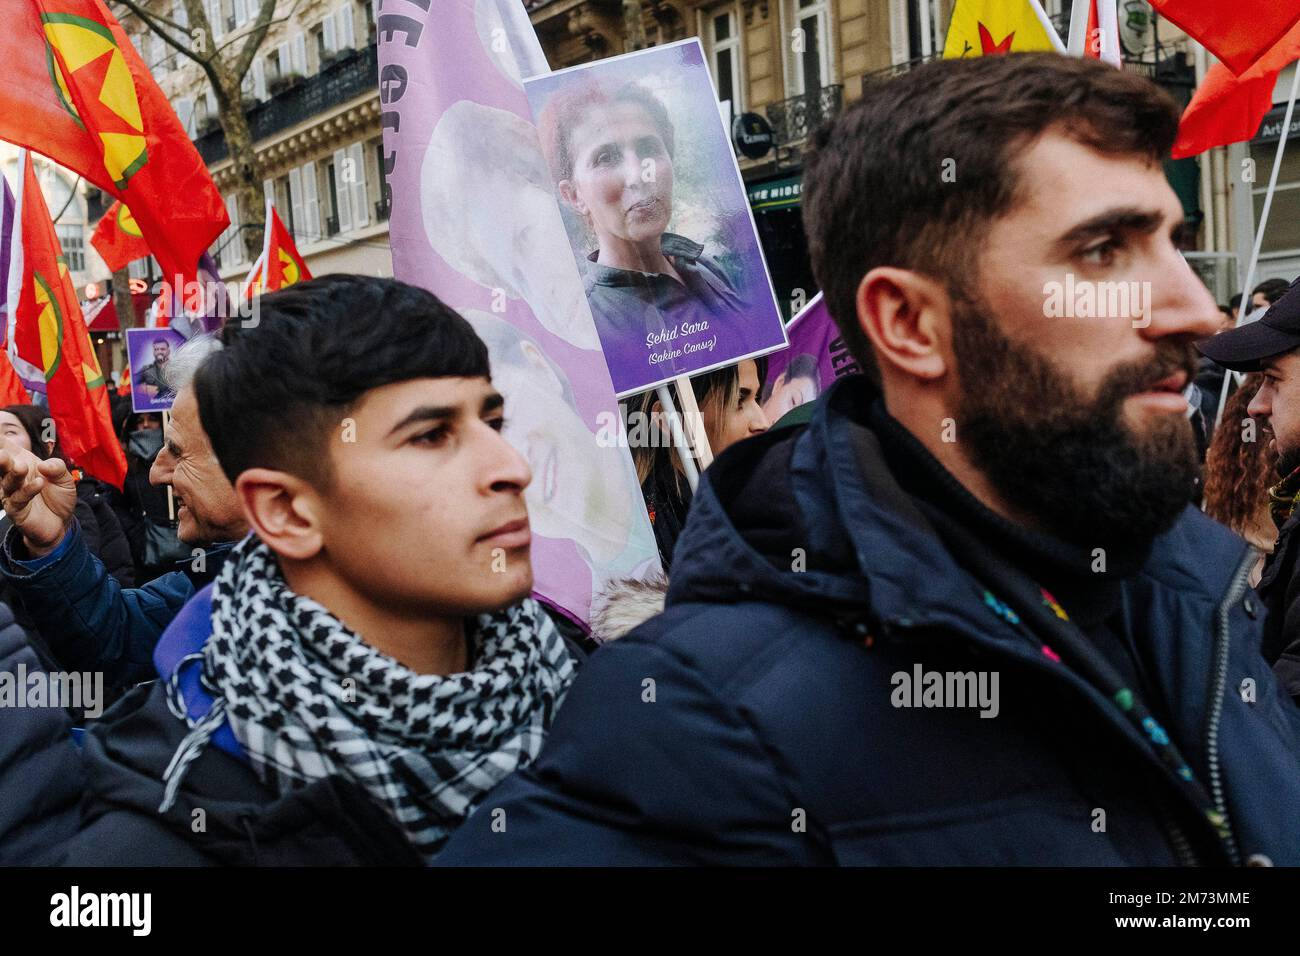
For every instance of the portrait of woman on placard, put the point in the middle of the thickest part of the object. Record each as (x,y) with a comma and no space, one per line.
(611,152)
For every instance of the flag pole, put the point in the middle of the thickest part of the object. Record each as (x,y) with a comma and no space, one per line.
(1246,295)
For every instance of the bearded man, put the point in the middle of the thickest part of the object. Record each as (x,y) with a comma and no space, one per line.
(965,615)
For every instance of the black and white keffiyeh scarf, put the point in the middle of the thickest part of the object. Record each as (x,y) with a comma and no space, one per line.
(307,698)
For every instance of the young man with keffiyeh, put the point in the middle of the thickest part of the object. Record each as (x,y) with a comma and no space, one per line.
(1271,345)
(368,664)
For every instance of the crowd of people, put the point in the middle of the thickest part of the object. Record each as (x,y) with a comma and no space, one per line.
(963,609)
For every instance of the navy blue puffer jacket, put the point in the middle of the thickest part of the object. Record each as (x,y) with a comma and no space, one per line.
(753,723)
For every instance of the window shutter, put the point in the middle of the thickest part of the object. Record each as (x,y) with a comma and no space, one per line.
(331,40)
(299,56)
(298,224)
(215,19)
(282,55)
(898,39)
(310,201)
(185,113)
(357,188)
(346,37)
(241,12)
(259,79)
(342,191)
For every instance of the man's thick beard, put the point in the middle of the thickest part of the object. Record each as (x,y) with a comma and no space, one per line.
(1073,466)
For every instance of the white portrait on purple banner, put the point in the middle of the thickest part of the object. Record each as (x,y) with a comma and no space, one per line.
(511,239)
(572,494)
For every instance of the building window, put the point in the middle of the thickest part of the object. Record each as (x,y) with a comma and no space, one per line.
(72,238)
(924,29)
(1281,245)
(810,46)
(916,29)
(722,37)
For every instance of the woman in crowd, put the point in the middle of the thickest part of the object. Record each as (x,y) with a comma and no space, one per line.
(728,400)
(1239,468)
(141,506)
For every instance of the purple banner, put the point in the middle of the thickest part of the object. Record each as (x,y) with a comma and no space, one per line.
(475,222)
(817,356)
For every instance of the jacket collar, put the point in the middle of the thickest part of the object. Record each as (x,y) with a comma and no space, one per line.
(859,527)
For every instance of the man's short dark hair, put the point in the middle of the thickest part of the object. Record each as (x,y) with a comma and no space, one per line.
(914,173)
(277,392)
(1271,290)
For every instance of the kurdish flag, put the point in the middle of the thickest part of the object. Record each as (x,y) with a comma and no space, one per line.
(118,238)
(76,90)
(48,340)
(280,264)
(994,27)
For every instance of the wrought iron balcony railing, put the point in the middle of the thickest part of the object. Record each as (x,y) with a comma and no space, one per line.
(351,75)
(793,119)
(897,69)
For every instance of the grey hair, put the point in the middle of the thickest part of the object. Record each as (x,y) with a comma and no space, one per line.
(185,361)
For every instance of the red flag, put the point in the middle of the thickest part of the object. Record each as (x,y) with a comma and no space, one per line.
(1237,32)
(1228,109)
(118,238)
(76,90)
(12,391)
(286,264)
(48,335)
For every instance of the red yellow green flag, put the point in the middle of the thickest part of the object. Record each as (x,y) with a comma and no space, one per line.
(76,90)
(286,265)
(118,238)
(48,338)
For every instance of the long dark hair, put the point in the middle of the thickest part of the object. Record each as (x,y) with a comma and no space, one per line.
(1238,473)
(35,421)
(715,392)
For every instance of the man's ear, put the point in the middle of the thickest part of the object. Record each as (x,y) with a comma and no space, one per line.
(907,317)
(570,195)
(283,509)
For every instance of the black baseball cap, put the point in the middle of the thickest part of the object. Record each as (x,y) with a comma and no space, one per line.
(1244,348)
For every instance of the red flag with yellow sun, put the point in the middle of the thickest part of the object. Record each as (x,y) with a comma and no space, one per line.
(118,238)
(76,90)
(280,264)
(994,27)
(48,340)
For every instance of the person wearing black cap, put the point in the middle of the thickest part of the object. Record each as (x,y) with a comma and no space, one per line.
(1271,345)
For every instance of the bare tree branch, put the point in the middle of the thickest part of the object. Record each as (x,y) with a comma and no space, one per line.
(156,24)
(257,33)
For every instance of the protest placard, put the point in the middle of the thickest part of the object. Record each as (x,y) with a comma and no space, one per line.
(656,215)
(148,352)
(817,356)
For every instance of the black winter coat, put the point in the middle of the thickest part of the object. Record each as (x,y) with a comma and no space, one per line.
(223,815)
(41,775)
